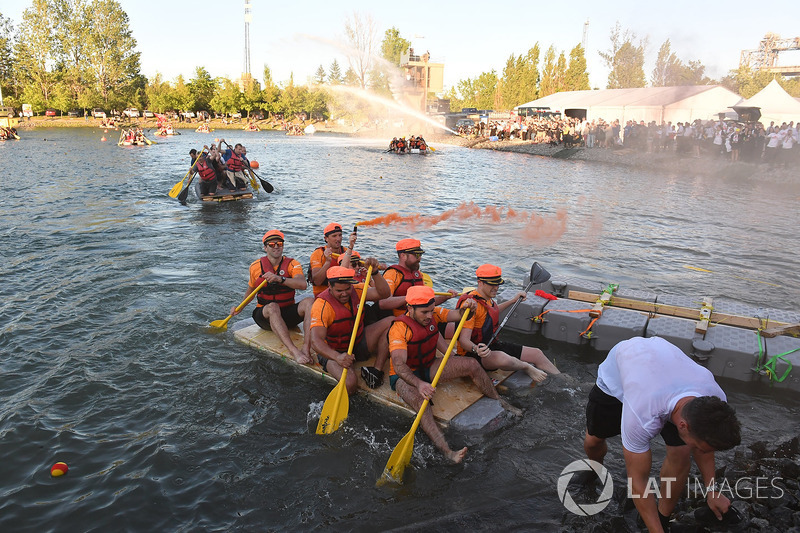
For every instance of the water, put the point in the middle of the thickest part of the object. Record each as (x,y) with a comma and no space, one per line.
(109,284)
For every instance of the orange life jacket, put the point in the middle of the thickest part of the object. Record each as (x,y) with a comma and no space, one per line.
(205,170)
(234,162)
(492,317)
(409,280)
(276,292)
(340,331)
(421,348)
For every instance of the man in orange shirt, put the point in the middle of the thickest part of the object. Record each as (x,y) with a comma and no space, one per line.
(333,315)
(276,309)
(402,276)
(480,327)
(330,255)
(413,340)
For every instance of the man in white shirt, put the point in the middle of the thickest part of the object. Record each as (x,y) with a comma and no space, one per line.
(648,386)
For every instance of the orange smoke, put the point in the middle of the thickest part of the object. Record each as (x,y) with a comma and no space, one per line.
(546,230)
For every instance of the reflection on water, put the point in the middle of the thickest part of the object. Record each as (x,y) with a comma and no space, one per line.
(109,284)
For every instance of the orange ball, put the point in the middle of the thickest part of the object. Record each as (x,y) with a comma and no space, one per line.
(253,164)
(59,469)
(103,139)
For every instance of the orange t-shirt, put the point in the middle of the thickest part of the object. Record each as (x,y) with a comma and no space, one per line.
(317,261)
(322,313)
(475,320)
(400,333)
(255,272)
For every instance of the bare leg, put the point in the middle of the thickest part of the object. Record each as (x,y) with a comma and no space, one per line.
(378,342)
(412,397)
(676,465)
(272,312)
(335,370)
(537,358)
(304,310)
(502,360)
(595,448)
(459,366)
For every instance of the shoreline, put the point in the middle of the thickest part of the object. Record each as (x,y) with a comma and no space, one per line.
(665,162)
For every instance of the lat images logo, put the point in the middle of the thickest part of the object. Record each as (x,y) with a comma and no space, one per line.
(585,509)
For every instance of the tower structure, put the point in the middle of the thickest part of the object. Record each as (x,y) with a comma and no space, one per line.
(585,41)
(248,18)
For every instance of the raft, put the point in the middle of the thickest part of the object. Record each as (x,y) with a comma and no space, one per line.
(457,403)
(733,340)
(222,195)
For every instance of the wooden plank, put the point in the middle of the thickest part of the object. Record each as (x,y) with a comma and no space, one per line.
(452,397)
(674,310)
(788,329)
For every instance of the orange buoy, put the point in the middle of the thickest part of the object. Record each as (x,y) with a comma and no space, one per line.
(59,469)
(253,164)
(103,139)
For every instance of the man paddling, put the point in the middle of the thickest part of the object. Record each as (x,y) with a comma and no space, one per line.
(333,316)
(330,255)
(234,167)
(480,328)
(413,340)
(648,386)
(404,275)
(276,308)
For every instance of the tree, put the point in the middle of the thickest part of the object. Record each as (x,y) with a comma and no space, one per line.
(270,93)
(335,73)
(159,94)
(319,77)
(202,88)
(6,56)
(393,46)
(362,37)
(184,100)
(668,67)
(561,72)
(625,59)
(479,92)
(36,53)
(111,50)
(228,98)
(351,78)
(549,84)
(576,77)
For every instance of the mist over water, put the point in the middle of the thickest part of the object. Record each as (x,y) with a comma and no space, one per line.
(108,363)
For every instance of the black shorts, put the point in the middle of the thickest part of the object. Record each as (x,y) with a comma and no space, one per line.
(288,313)
(511,348)
(359,350)
(423,373)
(604,419)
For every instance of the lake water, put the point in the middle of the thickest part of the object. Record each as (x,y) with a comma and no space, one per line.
(109,285)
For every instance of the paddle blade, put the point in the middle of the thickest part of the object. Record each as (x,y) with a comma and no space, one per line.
(426,279)
(267,185)
(221,324)
(176,189)
(183,195)
(335,409)
(400,459)
(539,274)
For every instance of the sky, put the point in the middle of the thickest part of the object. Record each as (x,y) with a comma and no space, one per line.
(468,36)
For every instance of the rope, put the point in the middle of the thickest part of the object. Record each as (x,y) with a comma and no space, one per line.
(769,366)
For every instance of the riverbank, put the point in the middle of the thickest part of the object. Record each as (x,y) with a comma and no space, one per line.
(668,162)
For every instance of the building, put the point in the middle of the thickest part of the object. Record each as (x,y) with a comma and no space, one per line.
(659,104)
(422,78)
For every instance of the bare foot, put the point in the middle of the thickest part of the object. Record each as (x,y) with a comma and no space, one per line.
(306,352)
(535,374)
(515,411)
(457,457)
(298,356)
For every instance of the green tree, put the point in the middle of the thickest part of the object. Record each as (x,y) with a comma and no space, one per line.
(202,88)
(577,77)
(228,98)
(561,73)
(252,97)
(159,94)
(271,92)
(549,84)
(351,78)
(479,92)
(625,59)
(71,35)
(111,50)
(184,100)
(6,57)
(36,53)
(393,46)
(335,73)
(668,67)
(319,77)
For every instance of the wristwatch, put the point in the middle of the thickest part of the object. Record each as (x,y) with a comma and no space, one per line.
(283,279)
(474,348)
(713,487)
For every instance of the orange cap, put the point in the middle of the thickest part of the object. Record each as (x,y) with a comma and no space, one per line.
(490,274)
(272,235)
(420,295)
(333,227)
(408,245)
(340,274)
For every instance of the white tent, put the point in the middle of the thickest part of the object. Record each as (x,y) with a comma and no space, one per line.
(775,104)
(659,104)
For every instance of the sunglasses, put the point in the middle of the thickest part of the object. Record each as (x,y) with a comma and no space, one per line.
(274,244)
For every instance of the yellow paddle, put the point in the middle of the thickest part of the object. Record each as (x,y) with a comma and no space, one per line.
(253,182)
(223,324)
(431,148)
(401,455)
(426,279)
(176,189)
(337,404)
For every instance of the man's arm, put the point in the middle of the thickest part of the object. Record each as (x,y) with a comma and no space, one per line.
(381,289)
(638,466)
(319,344)
(717,502)
(399,359)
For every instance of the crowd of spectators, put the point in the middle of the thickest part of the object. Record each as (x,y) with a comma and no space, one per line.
(776,145)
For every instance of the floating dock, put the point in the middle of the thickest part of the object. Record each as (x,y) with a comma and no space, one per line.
(731,339)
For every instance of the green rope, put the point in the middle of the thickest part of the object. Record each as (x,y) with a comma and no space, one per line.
(769,366)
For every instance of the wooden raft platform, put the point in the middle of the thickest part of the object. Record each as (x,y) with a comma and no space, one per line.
(223,195)
(452,397)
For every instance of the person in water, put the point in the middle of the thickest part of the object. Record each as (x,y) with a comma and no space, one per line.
(276,309)
(330,255)
(333,315)
(413,340)
(646,387)
(481,326)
